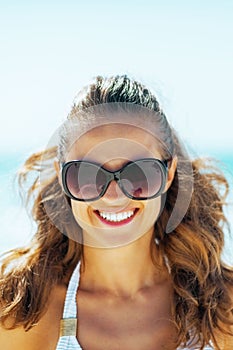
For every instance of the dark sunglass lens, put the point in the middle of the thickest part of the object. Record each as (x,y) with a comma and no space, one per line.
(85,181)
(143,178)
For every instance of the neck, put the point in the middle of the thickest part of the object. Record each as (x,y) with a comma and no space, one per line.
(121,271)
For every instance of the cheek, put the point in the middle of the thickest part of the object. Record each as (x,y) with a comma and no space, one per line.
(154,204)
(80,211)
(150,214)
(152,209)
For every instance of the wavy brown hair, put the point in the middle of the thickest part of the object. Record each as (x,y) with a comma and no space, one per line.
(202,282)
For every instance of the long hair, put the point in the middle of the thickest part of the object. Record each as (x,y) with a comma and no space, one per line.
(201,281)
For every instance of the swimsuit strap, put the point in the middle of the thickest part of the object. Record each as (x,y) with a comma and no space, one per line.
(68,324)
(70,307)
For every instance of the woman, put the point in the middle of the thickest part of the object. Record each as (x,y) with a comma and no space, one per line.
(127,253)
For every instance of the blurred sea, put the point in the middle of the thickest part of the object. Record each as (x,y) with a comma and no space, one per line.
(17,227)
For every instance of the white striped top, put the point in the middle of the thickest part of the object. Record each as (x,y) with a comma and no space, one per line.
(68,327)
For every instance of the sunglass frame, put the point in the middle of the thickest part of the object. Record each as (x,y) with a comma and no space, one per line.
(114,176)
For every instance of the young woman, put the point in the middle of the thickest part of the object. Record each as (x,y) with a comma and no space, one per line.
(127,253)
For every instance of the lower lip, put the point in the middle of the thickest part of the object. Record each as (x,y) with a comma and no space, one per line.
(116,223)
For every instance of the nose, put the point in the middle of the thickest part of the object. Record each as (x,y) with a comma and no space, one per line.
(114,193)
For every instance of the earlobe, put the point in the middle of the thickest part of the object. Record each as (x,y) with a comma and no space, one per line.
(171,173)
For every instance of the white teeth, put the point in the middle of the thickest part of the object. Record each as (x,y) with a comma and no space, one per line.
(116,217)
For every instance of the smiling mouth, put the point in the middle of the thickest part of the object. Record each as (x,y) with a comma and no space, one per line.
(113,218)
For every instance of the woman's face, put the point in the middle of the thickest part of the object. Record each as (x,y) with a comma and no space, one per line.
(115,220)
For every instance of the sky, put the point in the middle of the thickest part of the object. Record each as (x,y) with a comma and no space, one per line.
(183,50)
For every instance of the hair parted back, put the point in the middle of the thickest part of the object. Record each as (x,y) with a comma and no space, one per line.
(202,300)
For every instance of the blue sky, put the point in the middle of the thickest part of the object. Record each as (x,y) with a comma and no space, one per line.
(182,49)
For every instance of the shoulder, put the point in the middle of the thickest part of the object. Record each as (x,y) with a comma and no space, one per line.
(43,335)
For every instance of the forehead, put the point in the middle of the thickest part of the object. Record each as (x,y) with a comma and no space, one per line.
(114,141)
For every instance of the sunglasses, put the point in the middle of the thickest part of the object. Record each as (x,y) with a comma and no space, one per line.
(140,180)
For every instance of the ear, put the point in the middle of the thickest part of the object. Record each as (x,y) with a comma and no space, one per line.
(171,173)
